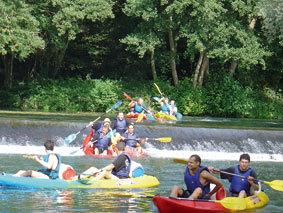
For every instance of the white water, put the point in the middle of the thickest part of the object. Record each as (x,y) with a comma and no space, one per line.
(151,150)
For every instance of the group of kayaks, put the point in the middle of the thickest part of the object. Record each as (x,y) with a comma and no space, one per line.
(159,116)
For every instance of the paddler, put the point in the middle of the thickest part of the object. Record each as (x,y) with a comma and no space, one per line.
(239,187)
(197,179)
(120,123)
(118,169)
(51,163)
(137,106)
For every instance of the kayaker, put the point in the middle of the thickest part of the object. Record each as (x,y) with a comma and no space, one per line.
(172,108)
(118,169)
(132,141)
(101,139)
(120,123)
(239,187)
(51,162)
(164,105)
(137,106)
(197,179)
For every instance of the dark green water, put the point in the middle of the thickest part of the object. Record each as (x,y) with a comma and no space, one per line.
(83,200)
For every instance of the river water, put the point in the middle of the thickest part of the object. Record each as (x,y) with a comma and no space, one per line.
(219,144)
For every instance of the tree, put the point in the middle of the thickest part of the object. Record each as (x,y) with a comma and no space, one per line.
(19,35)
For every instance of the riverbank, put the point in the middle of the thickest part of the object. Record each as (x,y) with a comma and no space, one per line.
(188,121)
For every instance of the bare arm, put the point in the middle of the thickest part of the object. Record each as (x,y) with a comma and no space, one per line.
(51,161)
(109,167)
(210,178)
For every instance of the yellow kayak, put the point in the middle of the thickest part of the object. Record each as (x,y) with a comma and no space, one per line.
(256,201)
(144,181)
(165,116)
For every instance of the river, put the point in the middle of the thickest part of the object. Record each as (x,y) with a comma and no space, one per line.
(219,142)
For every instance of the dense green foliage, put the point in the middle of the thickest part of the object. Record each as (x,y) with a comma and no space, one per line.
(225,97)
(214,57)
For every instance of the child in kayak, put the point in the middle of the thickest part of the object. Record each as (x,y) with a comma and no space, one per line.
(239,186)
(197,179)
(51,163)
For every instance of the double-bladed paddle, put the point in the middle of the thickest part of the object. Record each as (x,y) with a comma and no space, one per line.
(275,184)
(72,137)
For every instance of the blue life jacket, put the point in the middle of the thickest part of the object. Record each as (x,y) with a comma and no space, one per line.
(103,141)
(124,171)
(138,108)
(192,182)
(120,125)
(165,108)
(238,184)
(52,174)
(130,139)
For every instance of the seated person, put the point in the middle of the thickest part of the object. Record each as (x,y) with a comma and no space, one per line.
(137,106)
(239,187)
(120,123)
(164,105)
(197,179)
(102,140)
(119,168)
(133,143)
(51,162)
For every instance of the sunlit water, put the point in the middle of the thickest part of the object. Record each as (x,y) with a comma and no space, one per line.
(217,147)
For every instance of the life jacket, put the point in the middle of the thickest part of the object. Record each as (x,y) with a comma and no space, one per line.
(125,171)
(238,184)
(120,125)
(192,182)
(52,174)
(165,108)
(130,139)
(103,141)
(138,108)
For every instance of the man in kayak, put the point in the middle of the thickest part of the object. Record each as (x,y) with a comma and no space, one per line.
(239,186)
(120,123)
(197,179)
(137,106)
(51,162)
(118,169)
(102,139)
(132,141)
(164,105)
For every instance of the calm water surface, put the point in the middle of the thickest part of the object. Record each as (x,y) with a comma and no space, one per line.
(95,200)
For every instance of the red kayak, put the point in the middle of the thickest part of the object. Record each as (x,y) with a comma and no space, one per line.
(135,116)
(179,205)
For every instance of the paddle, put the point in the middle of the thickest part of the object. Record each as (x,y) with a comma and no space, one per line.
(72,137)
(140,117)
(162,140)
(158,90)
(275,184)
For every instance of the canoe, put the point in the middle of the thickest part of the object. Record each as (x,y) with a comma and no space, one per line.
(144,181)
(165,116)
(167,205)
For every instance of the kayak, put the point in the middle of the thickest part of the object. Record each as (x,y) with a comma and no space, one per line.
(165,116)
(135,116)
(166,204)
(145,181)
(89,150)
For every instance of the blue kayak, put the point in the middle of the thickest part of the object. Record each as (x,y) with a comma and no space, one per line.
(145,181)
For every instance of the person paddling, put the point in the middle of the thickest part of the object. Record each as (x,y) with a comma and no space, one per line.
(239,186)
(132,141)
(136,106)
(51,163)
(120,123)
(197,179)
(164,105)
(118,169)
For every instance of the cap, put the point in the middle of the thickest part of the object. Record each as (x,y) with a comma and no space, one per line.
(106,120)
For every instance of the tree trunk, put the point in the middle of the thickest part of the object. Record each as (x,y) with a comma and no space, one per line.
(203,70)
(152,64)
(59,59)
(173,55)
(232,67)
(8,70)
(195,82)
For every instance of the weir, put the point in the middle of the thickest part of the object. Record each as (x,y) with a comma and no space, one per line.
(25,136)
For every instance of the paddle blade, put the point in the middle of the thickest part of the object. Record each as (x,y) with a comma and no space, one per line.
(140,117)
(70,138)
(116,105)
(158,89)
(156,99)
(233,203)
(180,160)
(164,139)
(127,96)
(275,184)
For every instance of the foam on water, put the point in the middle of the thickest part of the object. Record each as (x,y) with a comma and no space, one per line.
(151,150)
